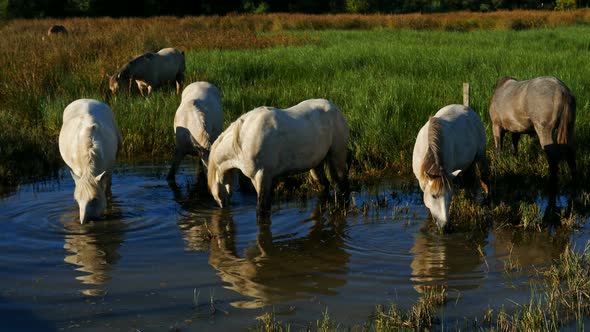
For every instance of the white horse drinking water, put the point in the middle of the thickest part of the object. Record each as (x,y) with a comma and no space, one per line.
(89,141)
(448,144)
(267,142)
(197,123)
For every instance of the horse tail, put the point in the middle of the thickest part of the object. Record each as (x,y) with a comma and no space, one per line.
(565,130)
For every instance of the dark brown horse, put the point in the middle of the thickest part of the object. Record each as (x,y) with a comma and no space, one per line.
(543,105)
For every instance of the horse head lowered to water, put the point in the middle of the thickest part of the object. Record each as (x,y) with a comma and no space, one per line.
(89,142)
(448,144)
(543,105)
(267,142)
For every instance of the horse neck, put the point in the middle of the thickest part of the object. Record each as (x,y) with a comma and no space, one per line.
(222,158)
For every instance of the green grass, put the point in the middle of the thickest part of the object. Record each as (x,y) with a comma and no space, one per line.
(386,82)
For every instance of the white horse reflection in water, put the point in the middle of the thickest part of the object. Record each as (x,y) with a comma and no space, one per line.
(461,261)
(93,249)
(272,271)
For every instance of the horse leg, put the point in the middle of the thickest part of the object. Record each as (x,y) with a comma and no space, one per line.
(553,159)
(515,139)
(109,181)
(178,155)
(263,185)
(179,81)
(498,133)
(571,161)
(466,180)
(552,154)
(140,87)
(319,176)
(484,173)
(339,169)
(553,169)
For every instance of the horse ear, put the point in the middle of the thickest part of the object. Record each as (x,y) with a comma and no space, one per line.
(100,176)
(74,176)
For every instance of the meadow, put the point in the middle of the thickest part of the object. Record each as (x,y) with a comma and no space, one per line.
(387,73)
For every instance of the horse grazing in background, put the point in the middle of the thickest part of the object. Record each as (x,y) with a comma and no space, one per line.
(57,30)
(267,142)
(448,144)
(197,123)
(89,142)
(542,105)
(150,71)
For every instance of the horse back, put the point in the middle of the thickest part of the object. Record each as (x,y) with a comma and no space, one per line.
(522,106)
(294,139)
(463,136)
(201,113)
(169,64)
(89,125)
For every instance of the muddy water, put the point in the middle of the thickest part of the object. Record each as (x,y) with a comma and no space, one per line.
(167,257)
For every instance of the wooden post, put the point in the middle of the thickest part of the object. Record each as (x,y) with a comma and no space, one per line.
(466,94)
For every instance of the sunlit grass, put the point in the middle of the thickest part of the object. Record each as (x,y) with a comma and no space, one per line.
(386,81)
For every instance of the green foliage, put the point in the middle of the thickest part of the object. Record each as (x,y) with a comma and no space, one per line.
(565,4)
(256,8)
(143,8)
(3,10)
(357,6)
(79,6)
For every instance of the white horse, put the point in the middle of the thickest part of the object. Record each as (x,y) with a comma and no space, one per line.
(150,71)
(89,142)
(449,143)
(197,123)
(267,142)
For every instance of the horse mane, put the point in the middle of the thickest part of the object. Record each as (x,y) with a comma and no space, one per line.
(504,80)
(86,187)
(432,166)
(211,171)
(234,130)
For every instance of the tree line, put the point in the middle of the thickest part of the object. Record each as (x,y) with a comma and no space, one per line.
(142,8)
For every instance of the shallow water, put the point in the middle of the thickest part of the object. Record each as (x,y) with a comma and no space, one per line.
(167,257)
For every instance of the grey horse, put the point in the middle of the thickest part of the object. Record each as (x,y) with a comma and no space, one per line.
(542,105)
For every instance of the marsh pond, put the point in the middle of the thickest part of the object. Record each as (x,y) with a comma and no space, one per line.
(168,258)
